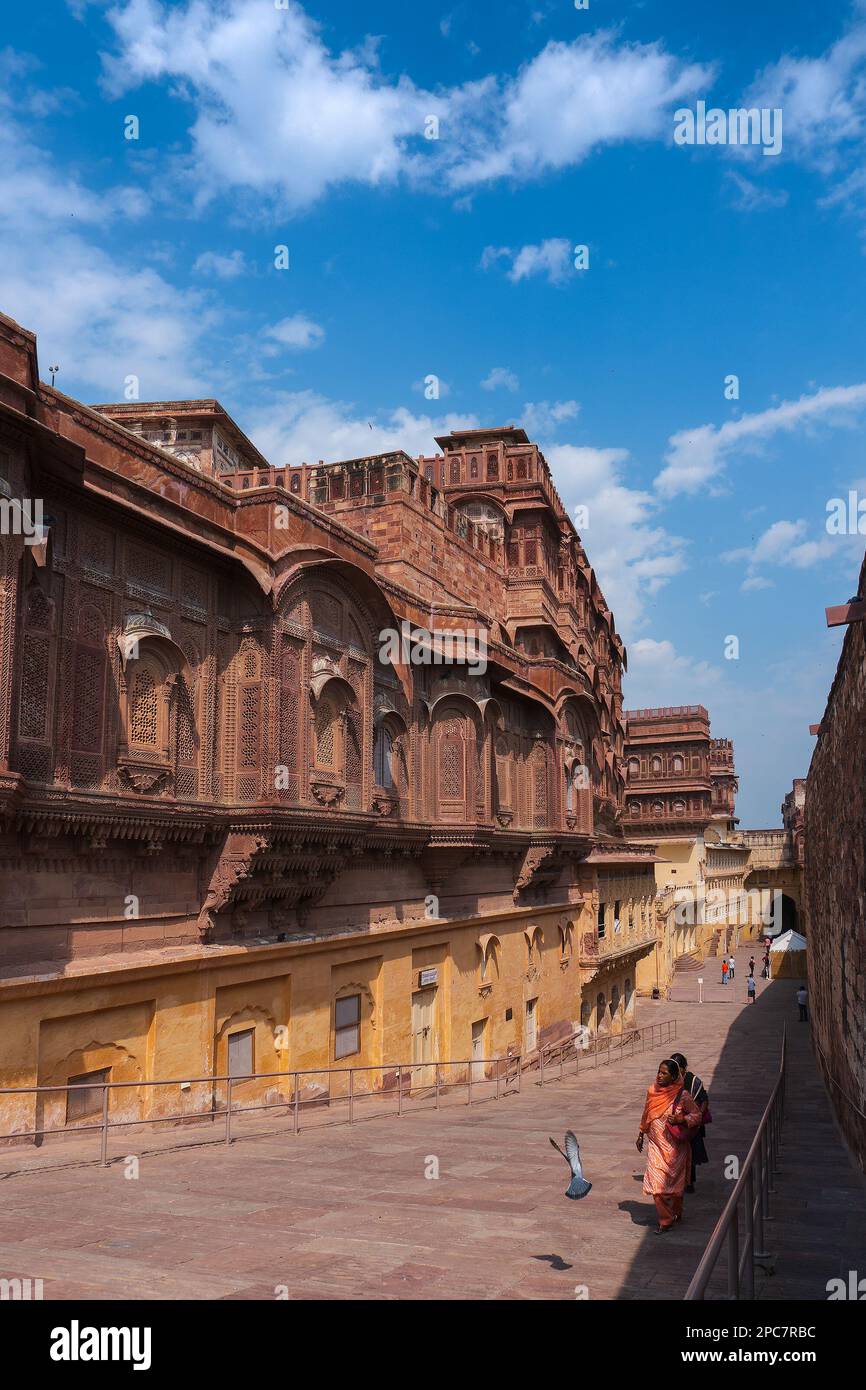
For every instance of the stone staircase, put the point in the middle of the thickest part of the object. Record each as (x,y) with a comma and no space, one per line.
(687,965)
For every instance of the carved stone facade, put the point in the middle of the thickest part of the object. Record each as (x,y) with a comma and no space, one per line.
(205,750)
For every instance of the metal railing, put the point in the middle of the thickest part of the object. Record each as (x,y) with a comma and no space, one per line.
(751,1199)
(403,1086)
(602,1048)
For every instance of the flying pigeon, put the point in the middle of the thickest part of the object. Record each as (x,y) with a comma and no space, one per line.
(578,1187)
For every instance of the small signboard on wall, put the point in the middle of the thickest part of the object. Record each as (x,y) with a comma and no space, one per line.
(427,978)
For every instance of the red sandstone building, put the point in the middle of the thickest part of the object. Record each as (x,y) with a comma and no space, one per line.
(236,837)
(680,780)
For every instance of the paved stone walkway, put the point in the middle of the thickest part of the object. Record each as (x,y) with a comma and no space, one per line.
(349,1213)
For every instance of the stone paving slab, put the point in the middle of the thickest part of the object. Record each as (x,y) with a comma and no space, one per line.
(347,1213)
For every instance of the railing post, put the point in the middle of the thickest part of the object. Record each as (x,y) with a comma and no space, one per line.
(541,1066)
(351,1095)
(399,1091)
(750,1234)
(761,1206)
(436,1084)
(104,1147)
(229,1111)
(519,1072)
(497,1079)
(297,1100)
(469,1085)
(734,1256)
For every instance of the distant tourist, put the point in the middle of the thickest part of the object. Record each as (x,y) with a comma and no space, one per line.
(765,973)
(751,989)
(752,966)
(724,970)
(698,1092)
(802,998)
(731,963)
(669,1118)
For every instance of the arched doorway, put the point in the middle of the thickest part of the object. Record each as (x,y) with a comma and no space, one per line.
(790,916)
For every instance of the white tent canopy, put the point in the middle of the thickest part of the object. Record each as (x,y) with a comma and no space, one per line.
(789,941)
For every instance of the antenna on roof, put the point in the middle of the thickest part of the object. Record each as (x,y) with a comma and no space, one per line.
(53,371)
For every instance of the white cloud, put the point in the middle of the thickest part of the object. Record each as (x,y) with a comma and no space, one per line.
(543,418)
(551,258)
(824,98)
(303,426)
(696,457)
(781,544)
(572,99)
(223,267)
(275,112)
(500,379)
(633,556)
(279,114)
(102,320)
(659,675)
(296,331)
(750,196)
(99,317)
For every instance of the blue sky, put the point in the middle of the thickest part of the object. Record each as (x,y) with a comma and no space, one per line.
(261,126)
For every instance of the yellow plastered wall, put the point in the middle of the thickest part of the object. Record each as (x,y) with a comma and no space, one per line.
(171,1022)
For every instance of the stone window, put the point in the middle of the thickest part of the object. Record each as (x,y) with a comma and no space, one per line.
(326,734)
(85,1102)
(382,754)
(602,926)
(241,1060)
(347,1026)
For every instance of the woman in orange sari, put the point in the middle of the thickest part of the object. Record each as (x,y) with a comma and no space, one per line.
(668,1157)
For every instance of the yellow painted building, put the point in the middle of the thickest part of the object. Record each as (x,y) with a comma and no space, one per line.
(464,991)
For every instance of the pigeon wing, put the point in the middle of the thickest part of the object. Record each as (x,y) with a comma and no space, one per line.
(578,1187)
(560,1151)
(572,1153)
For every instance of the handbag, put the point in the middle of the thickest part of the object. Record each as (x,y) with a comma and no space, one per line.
(680,1133)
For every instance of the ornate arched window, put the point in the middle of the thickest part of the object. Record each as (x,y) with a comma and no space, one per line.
(600,1013)
(454,746)
(383,751)
(144,708)
(634,767)
(656,765)
(677,764)
(326,751)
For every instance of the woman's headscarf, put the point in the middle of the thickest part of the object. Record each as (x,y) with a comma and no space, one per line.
(659,1098)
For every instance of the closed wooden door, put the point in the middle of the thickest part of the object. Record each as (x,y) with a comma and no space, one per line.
(479,1051)
(530,1032)
(423,1035)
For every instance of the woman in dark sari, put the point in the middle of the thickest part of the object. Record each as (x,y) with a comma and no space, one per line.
(699,1094)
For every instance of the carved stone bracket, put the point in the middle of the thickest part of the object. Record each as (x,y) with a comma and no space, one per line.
(327,793)
(144,778)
